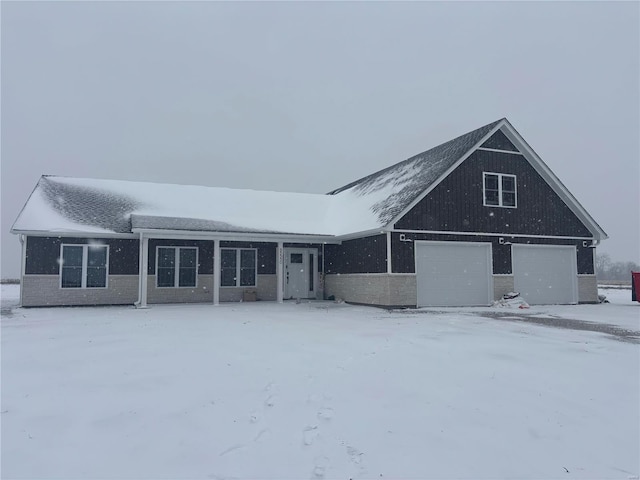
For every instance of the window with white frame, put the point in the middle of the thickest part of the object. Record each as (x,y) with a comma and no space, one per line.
(238,267)
(176,266)
(84,266)
(499,190)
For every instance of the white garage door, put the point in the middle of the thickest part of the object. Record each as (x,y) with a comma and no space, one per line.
(453,273)
(545,274)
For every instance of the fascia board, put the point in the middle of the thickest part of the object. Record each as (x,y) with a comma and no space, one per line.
(230,236)
(65,233)
(553,181)
(13,230)
(365,233)
(428,190)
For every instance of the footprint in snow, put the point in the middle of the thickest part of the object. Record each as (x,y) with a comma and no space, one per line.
(262,435)
(270,401)
(231,449)
(320,467)
(310,434)
(325,413)
(355,455)
(254,416)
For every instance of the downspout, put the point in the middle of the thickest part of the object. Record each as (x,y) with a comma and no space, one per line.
(23,260)
(216,271)
(280,272)
(594,244)
(137,302)
(389,269)
(324,290)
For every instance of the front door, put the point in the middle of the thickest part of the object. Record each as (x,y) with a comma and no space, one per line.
(300,267)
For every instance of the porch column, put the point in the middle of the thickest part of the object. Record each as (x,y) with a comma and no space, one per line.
(389,269)
(279,271)
(144,269)
(216,272)
(23,263)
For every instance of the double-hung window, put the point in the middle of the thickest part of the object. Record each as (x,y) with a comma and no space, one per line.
(499,190)
(176,266)
(238,267)
(84,266)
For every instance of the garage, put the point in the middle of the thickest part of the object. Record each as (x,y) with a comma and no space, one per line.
(545,274)
(453,274)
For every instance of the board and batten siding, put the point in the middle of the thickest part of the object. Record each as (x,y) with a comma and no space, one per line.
(456,204)
(402,260)
(361,255)
(43,254)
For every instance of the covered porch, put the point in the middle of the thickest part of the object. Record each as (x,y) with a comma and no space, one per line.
(200,267)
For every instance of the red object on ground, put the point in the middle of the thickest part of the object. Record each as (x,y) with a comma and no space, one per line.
(635,286)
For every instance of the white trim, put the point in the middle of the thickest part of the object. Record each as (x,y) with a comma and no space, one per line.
(470,244)
(305,252)
(370,274)
(536,162)
(389,266)
(497,150)
(362,234)
(482,234)
(489,245)
(143,268)
(60,233)
(85,261)
(239,267)
(554,182)
(23,263)
(500,192)
(428,190)
(176,274)
(280,272)
(216,272)
(574,264)
(586,275)
(235,236)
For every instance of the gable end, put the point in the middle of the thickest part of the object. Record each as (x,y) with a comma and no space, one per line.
(499,141)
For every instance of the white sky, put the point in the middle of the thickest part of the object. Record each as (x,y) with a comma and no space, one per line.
(307,97)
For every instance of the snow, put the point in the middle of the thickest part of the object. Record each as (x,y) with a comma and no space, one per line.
(39,215)
(237,209)
(315,390)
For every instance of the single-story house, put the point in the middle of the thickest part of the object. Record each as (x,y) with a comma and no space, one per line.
(460,224)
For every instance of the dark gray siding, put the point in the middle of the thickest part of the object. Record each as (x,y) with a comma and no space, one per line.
(403,255)
(499,141)
(205,253)
(266,254)
(456,204)
(43,254)
(362,255)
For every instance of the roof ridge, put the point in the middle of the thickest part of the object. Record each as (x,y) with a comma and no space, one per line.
(375,174)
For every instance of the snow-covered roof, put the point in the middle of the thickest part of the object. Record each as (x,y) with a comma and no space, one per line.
(394,188)
(87,206)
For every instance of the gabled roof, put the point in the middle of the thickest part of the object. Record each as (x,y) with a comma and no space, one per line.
(74,205)
(90,206)
(397,186)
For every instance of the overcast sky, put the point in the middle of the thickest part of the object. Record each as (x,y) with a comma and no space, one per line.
(307,97)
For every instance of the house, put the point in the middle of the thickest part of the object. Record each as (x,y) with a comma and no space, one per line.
(460,224)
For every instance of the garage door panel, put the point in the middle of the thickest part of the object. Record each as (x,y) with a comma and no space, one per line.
(453,274)
(545,274)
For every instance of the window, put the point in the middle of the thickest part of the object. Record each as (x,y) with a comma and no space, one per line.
(238,267)
(84,266)
(499,190)
(176,266)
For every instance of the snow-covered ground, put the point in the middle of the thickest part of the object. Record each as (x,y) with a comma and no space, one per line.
(317,390)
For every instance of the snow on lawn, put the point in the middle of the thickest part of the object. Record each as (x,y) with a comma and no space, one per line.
(314,390)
